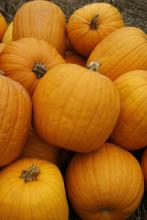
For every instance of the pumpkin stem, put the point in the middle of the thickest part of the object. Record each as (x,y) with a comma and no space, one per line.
(94,23)
(94,66)
(39,69)
(30,174)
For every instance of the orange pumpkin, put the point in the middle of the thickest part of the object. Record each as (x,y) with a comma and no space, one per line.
(105,184)
(15,118)
(35,191)
(78,108)
(144,166)
(2,46)
(35,147)
(72,57)
(43,20)
(3,26)
(131,128)
(7,38)
(27,60)
(89,25)
(121,51)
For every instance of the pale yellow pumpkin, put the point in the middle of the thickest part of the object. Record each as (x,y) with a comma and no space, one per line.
(7,38)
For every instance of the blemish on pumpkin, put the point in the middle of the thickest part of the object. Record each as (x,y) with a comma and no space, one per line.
(39,69)
(30,174)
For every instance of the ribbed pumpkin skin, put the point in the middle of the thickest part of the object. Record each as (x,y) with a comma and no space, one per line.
(36,147)
(42,199)
(15,117)
(71,57)
(3,26)
(2,46)
(106,184)
(78,108)
(131,128)
(123,50)
(7,38)
(19,57)
(43,20)
(144,167)
(82,37)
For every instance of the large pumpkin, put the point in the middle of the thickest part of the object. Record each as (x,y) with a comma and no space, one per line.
(105,184)
(78,108)
(130,131)
(3,26)
(15,118)
(35,191)
(43,20)
(121,51)
(144,166)
(36,147)
(7,38)
(27,60)
(89,25)
(72,57)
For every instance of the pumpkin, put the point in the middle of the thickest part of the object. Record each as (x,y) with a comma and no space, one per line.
(35,147)
(68,44)
(144,166)
(3,26)
(88,25)
(131,128)
(27,60)
(7,38)
(2,46)
(43,20)
(72,57)
(15,118)
(105,184)
(78,108)
(122,51)
(37,188)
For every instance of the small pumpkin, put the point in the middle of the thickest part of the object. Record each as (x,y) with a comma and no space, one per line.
(105,184)
(35,147)
(15,118)
(88,25)
(121,51)
(7,38)
(43,20)
(144,166)
(37,188)
(78,108)
(131,128)
(72,57)
(3,26)
(27,60)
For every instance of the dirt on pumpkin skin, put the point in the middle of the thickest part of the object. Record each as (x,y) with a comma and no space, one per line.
(134,13)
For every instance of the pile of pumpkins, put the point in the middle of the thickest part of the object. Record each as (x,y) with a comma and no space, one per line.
(75,92)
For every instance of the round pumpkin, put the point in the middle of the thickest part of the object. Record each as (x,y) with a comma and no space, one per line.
(88,25)
(144,166)
(3,26)
(36,147)
(2,46)
(72,57)
(131,128)
(105,184)
(7,38)
(43,20)
(35,191)
(27,60)
(123,50)
(15,118)
(78,108)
